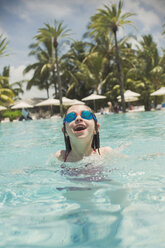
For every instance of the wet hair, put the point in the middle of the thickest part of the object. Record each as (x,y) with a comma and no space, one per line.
(96,138)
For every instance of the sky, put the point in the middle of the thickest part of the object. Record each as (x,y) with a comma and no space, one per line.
(21,19)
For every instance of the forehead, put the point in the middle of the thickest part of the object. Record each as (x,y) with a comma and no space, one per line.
(77,108)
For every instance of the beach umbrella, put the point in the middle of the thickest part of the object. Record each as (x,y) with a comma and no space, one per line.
(21,105)
(129,96)
(75,101)
(67,101)
(48,102)
(128,99)
(2,108)
(159,92)
(130,93)
(93,97)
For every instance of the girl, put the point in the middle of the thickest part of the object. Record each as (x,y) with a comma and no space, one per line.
(81,134)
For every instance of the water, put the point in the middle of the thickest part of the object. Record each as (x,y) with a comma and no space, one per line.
(118,202)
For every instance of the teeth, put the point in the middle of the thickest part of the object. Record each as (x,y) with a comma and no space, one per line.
(79,128)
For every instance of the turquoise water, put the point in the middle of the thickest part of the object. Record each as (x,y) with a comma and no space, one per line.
(118,202)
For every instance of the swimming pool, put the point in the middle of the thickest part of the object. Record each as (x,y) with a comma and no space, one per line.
(120,206)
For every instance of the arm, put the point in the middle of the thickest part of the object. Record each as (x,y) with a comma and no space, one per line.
(60,155)
(105,150)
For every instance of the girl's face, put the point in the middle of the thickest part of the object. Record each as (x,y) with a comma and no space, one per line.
(80,128)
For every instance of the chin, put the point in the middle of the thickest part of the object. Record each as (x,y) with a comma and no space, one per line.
(80,135)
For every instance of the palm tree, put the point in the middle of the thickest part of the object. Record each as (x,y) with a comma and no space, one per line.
(4,77)
(75,84)
(109,20)
(158,77)
(43,69)
(53,34)
(3,46)
(147,73)
(93,66)
(15,87)
(6,96)
(164,29)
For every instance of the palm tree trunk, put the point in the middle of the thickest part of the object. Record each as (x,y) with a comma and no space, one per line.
(119,73)
(47,93)
(55,84)
(155,88)
(97,91)
(59,82)
(47,89)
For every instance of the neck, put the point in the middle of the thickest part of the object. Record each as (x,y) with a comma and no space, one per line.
(80,150)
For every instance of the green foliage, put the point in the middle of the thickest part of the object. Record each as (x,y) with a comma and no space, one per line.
(9,91)
(6,95)
(12,115)
(163,33)
(3,46)
(108,20)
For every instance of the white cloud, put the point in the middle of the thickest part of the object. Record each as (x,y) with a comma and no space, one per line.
(158,5)
(49,8)
(148,20)
(31,9)
(135,42)
(61,9)
(35,93)
(17,10)
(159,39)
(16,74)
(144,16)
(3,33)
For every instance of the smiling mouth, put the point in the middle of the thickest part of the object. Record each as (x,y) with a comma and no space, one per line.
(79,128)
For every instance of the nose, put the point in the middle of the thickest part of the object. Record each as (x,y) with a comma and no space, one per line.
(78,118)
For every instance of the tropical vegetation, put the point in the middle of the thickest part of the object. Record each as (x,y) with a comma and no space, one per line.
(8,91)
(3,45)
(49,36)
(12,115)
(100,62)
(107,22)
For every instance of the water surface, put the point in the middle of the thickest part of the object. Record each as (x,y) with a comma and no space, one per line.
(116,202)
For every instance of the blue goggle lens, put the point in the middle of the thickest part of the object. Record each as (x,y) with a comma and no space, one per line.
(84,114)
(70,117)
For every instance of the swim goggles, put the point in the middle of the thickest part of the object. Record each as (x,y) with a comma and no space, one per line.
(85,114)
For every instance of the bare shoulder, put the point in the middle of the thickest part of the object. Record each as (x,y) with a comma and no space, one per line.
(105,149)
(60,155)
